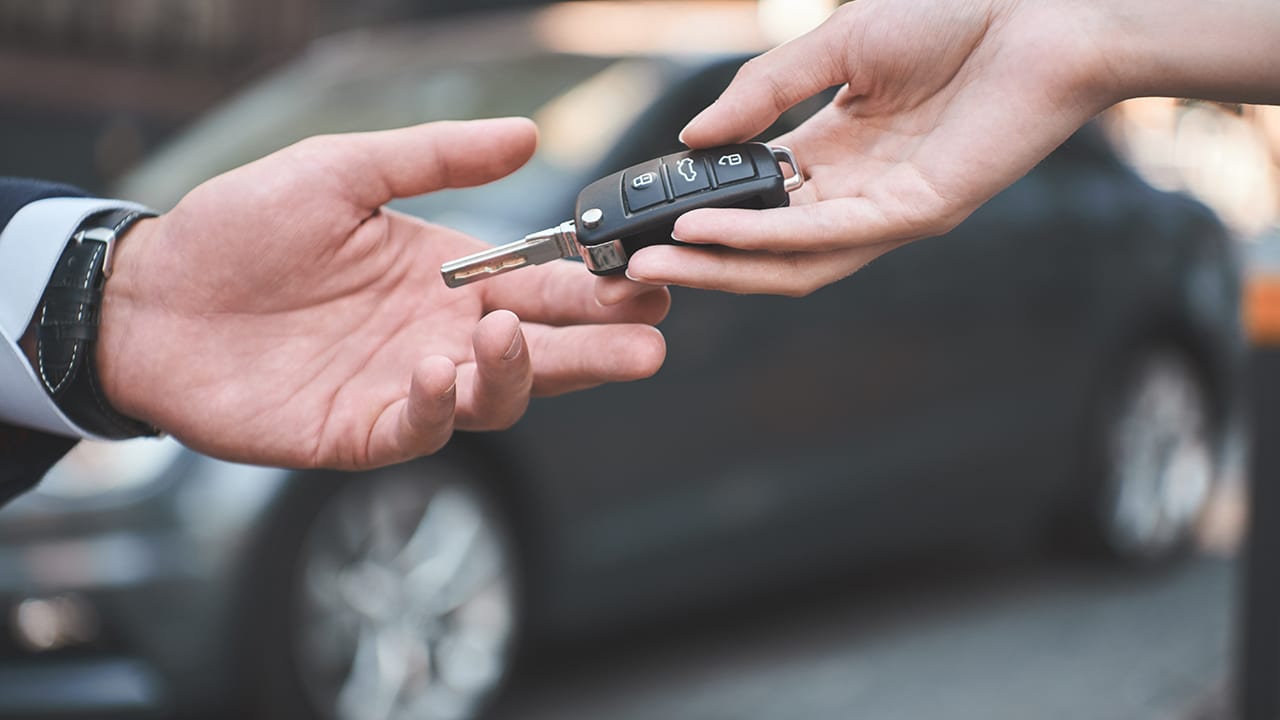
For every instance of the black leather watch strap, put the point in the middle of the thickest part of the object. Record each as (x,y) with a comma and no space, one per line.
(68,328)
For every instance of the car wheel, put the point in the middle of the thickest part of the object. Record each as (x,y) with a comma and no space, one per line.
(405,600)
(1156,460)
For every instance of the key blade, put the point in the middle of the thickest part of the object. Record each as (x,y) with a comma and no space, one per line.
(475,267)
(535,249)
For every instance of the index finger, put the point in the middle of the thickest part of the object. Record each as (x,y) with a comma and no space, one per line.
(822,226)
(772,83)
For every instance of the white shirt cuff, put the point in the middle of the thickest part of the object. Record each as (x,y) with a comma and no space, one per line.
(30,246)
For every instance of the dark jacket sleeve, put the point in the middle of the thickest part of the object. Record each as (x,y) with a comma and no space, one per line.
(26,455)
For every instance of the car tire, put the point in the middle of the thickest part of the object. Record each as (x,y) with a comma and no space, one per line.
(402,600)
(1151,460)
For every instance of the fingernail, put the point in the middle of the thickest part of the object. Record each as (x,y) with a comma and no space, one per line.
(517,342)
(680,137)
(693,122)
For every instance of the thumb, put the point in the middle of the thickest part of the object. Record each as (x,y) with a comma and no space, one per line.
(769,85)
(386,164)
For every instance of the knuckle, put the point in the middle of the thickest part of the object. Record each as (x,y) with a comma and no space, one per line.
(436,163)
(314,145)
(758,76)
(318,154)
(751,71)
(779,91)
(830,228)
(842,17)
(799,277)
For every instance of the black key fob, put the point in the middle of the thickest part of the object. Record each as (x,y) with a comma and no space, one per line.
(619,214)
(637,207)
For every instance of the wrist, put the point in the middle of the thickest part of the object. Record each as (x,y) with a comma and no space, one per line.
(67,325)
(121,350)
(1066,54)
(1213,50)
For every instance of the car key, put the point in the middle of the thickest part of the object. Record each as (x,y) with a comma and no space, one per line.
(637,207)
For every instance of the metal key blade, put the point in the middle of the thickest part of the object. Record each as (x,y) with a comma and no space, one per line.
(544,246)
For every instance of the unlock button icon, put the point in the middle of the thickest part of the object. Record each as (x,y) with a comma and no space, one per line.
(731,167)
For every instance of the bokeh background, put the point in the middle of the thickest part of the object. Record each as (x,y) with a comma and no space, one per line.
(897,498)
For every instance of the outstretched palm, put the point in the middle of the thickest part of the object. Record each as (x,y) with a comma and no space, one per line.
(278,315)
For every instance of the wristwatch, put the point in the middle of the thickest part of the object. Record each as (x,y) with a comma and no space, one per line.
(67,330)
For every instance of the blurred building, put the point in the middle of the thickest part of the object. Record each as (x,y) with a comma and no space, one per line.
(1226,155)
(88,87)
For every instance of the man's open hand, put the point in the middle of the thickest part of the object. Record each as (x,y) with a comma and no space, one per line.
(279,315)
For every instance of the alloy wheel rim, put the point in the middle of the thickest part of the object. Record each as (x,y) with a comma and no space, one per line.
(406,603)
(1161,461)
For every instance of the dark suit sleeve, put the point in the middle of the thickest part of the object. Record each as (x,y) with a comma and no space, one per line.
(17,192)
(26,455)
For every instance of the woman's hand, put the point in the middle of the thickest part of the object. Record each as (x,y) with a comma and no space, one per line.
(944,103)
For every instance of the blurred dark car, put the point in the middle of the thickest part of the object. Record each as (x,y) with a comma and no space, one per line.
(1063,362)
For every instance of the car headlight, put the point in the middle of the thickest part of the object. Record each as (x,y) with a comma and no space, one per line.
(95,468)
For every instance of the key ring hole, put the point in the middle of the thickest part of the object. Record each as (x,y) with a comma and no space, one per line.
(784,155)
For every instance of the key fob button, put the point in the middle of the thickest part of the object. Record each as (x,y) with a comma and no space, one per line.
(732,165)
(688,175)
(643,188)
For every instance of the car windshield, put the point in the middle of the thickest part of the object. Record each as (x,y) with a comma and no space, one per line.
(581,104)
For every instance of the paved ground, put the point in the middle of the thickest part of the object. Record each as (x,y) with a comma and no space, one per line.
(1021,639)
(1018,638)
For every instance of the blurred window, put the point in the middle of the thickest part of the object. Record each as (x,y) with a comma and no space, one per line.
(582,104)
